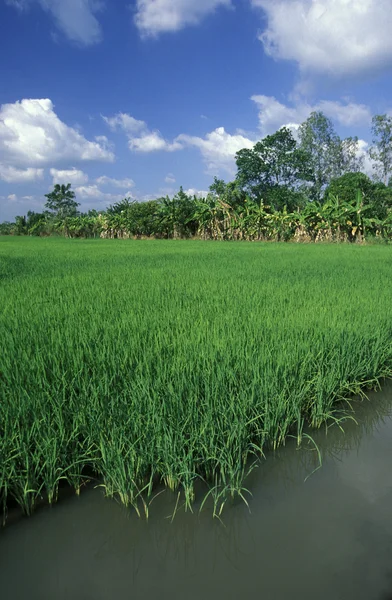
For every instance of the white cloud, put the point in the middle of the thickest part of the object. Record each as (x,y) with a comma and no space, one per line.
(105,144)
(75,18)
(119,183)
(140,137)
(33,136)
(170,178)
(273,114)
(124,121)
(11,174)
(152,142)
(363,154)
(337,37)
(348,114)
(12,198)
(92,193)
(73,176)
(218,148)
(158,16)
(197,193)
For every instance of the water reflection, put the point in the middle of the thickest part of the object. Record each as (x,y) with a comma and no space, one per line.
(328,537)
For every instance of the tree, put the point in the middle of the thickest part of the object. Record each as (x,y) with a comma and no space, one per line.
(381,151)
(319,140)
(349,160)
(329,156)
(273,167)
(347,185)
(377,195)
(36,223)
(61,201)
(120,207)
(218,187)
(20,227)
(6,228)
(231,193)
(176,215)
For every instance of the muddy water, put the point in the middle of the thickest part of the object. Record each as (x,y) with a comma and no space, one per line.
(323,537)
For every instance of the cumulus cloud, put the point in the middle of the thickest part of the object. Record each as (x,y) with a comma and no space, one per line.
(157,16)
(151,142)
(32,136)
(218,148)
(75,18)
(337,37)
(118,183)
(273,114)
(74,176)
(140,137)
(197,193)
(11,174)
(93,194)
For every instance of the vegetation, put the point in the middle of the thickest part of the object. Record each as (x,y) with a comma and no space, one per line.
(305,189)
(177,362)
(142,364)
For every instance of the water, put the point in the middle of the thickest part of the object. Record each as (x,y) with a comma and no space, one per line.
(329,537)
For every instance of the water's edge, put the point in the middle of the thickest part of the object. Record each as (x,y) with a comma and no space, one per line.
(327,535)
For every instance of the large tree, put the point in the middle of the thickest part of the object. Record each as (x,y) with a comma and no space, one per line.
(329,155)
(61,201)
(274,168)
(381,151)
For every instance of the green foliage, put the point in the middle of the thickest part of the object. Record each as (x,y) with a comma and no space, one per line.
(273,167)
(61,201)
(6,228)
(177,362)
(177,215)
(231,193)
(381,152)
(20,226)
(283,197)
(346,186)
(329,156)
(121,207)
(37,224)
(376,195)
(138,219)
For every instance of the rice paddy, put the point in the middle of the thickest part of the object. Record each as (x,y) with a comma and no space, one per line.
(145,364)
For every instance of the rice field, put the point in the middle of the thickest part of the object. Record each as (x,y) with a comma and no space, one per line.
(167,363)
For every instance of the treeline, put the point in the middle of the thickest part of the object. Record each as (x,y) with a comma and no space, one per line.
(303,186)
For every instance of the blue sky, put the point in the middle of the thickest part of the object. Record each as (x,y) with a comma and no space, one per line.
(135,98)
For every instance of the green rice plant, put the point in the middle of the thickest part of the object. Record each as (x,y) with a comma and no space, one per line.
(142,364)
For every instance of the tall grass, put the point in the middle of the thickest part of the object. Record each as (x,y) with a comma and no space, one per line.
(173,362)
